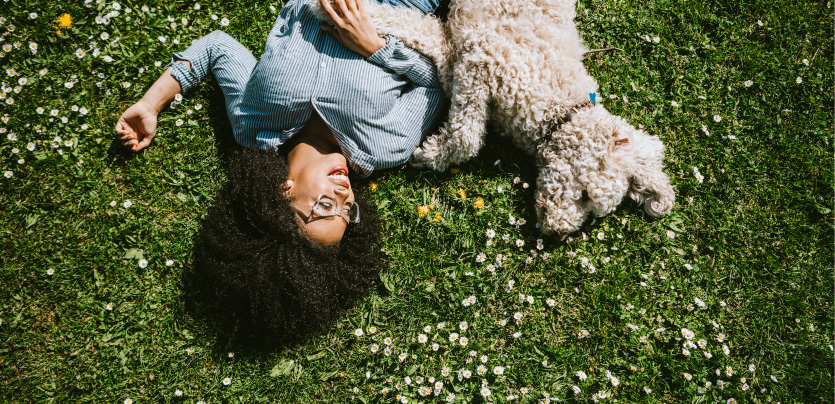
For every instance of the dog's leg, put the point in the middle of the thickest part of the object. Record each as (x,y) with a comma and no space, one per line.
(461,137)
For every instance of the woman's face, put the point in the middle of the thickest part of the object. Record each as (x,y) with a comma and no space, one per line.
(317,169)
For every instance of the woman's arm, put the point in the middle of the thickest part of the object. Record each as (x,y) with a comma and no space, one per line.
(355,30)
(138,124)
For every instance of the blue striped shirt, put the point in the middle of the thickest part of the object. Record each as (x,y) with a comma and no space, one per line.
(378,108)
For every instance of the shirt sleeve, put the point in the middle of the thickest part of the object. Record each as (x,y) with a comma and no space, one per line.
(397,57)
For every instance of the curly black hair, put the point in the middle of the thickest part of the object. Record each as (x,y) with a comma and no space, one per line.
(259,276)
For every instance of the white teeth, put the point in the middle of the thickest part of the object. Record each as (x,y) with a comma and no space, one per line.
(338,177)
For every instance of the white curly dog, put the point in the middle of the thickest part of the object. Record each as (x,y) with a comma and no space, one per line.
(518,64)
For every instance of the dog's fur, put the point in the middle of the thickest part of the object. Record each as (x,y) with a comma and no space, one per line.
(518,64)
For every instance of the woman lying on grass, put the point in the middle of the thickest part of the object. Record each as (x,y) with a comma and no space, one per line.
(286,247)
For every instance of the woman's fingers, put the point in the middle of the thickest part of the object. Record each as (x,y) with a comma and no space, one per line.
(326,4)
(343,8)
(352,5)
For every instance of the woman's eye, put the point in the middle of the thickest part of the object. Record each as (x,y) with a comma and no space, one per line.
(326,206)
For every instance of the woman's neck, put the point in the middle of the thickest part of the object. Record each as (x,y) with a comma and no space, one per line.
(316,134)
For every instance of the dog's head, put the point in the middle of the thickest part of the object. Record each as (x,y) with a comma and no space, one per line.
(590,163)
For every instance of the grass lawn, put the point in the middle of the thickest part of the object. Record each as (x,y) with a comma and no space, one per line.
(728,297)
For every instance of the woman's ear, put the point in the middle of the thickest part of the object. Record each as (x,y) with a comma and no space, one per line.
(286,187)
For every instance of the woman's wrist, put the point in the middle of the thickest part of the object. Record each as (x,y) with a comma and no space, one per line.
(162,92)
(380,44)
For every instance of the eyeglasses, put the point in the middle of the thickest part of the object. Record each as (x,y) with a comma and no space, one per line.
(326,206)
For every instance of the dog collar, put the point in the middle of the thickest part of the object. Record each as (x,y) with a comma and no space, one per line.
(573,111)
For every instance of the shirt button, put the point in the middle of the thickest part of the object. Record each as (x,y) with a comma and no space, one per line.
(323,65)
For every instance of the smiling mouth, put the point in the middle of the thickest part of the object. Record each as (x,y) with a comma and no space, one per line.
(339,176)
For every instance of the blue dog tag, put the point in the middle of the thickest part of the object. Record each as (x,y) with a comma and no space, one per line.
(593,97)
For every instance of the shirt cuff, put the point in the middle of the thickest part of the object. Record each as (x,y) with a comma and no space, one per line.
(383,55)
(181,73)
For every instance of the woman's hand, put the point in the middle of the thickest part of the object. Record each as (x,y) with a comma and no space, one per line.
(352,27)
(137,126)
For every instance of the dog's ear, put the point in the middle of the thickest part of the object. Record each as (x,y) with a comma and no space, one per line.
(561,204)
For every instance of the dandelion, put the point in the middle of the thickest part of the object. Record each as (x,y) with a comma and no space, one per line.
(717,118)
(79,53)
(732,400)
(179,122)
(128,401)
(127,204)
(64,21)
(671,234)
(51,271)
(464,341)
(798,80)
(520,243)
(358,332)
(143,263)
(422,338)
(227,381)
(748,83)
(423,210)
(485,392)
(479,203)
(726,350)
(806,62)
(402,357)
(126,85)
(224,22)
(656,39)
(688,376)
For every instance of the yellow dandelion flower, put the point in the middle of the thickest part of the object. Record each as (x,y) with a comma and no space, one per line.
(437,217)
(454,170)
(479,203)
(462,194)
(423,210)
(373,185)
(64,21)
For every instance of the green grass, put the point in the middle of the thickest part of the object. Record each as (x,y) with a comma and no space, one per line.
(757,232)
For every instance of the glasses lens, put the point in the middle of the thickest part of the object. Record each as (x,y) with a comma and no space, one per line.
(354,213)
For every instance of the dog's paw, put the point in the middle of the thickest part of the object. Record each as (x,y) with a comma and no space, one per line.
(427,158)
